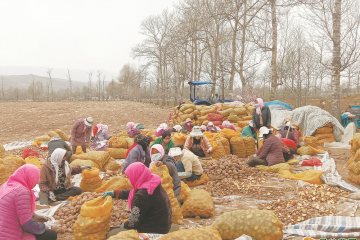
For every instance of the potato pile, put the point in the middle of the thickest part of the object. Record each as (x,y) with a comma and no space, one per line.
(19,152)
(321,193)
(67,216)
(119,213)
(291,212)
(230,166)
(111,174)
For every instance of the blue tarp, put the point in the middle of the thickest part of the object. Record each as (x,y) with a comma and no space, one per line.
(200,83)
(277,105)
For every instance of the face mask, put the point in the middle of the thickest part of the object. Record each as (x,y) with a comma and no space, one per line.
(156,157)
(257,105)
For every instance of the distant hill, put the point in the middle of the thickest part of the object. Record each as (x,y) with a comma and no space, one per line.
(24,81)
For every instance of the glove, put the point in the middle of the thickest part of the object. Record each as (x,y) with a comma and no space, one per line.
(111,194)
(86,167)
(52,196)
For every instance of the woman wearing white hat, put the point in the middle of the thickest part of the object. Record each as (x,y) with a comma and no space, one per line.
(197,143)
(271,151)
(81,133)
(187,162)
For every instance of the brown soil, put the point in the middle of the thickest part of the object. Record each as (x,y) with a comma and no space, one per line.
(23,121)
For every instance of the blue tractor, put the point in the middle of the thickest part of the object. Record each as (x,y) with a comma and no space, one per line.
(207,101)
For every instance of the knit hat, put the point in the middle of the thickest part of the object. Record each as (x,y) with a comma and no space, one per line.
(89,121)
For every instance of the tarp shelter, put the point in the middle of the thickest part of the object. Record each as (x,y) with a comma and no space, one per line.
(276,104)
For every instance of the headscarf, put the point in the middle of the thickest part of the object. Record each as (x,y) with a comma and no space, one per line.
(203,128)
(26,176)
(143,141)
(251,123)
(160,149)
(56,160)
(211,127)
(162,126)
(226,124)
(101,127)
(141,178)
(178,128)
(130,125)
(261,104)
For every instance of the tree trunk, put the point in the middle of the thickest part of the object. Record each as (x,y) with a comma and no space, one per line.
(242,55)
(336,63)
(273,51)
(232,71)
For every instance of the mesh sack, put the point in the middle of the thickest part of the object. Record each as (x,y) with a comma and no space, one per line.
(239,130)
(118,142)
(246,118)
(226,112)
(203,179)
(196,112)
(238,147)
(99,157)
(123,134)
(228,133)
(250,145)
(324,130)
(218,150)
(80,162)
(207,111)
(3,153)
(305,151)
(115,183)
(185,190)
(355,167)
(240,111)
(34,161)
(227,106)
(234,118)
(226,145)
(188,111)
(126,235)
(350,161)
(90,180)
(355,143)
(79,150)
(186,116)
(8,166)
(354,177)
(310,176)
(258,224)
(207,233)
(74,157)
(112,165)
(216,123)
(179,138)
(62,134)
(243,124)
(214,117)
(198,203)
(250,107)
(204,118)
(187,106)
(167,184)
(53,134)
(44,138)
(327,140)
(311,141)
(275,168)
(316,151)
(117,153)
(329,125)
(94,219)
(324,135)
(130,141)
(205,122)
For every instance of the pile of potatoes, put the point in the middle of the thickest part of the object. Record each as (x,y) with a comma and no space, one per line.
(68,215)
(111,174)
(229,166)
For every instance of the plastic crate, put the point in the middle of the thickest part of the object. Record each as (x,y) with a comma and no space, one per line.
(355,110)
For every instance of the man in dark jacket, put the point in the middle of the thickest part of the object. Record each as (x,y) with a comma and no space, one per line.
(261,115)
(55,143)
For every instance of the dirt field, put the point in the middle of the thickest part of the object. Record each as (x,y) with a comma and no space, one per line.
(23,121)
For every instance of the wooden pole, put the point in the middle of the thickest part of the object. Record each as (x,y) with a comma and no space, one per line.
(287,134)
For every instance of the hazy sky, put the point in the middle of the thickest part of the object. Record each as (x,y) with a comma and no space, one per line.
(75,34)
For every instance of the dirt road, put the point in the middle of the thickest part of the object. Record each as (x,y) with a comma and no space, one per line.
(23,121)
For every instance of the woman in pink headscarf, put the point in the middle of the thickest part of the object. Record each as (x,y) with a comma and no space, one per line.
(261,114)
(101,138)
(149,203)
(132,125)
(162,128)
(227,124)
(17,207)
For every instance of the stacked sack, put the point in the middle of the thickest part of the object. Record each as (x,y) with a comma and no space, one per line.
(46,138)
(97,159)
(8,166)
(184,111)
(3,152)
(119,146)
(354,162)
(325,134)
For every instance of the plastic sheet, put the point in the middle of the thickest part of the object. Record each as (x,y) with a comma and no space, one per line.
(310,176)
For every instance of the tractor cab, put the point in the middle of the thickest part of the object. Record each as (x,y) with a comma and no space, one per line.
(207,99)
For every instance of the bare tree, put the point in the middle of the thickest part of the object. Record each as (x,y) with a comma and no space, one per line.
(90,73)
(99,73)
(48,71)
(68,76)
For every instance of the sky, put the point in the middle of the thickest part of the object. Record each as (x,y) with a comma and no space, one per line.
(75,34)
